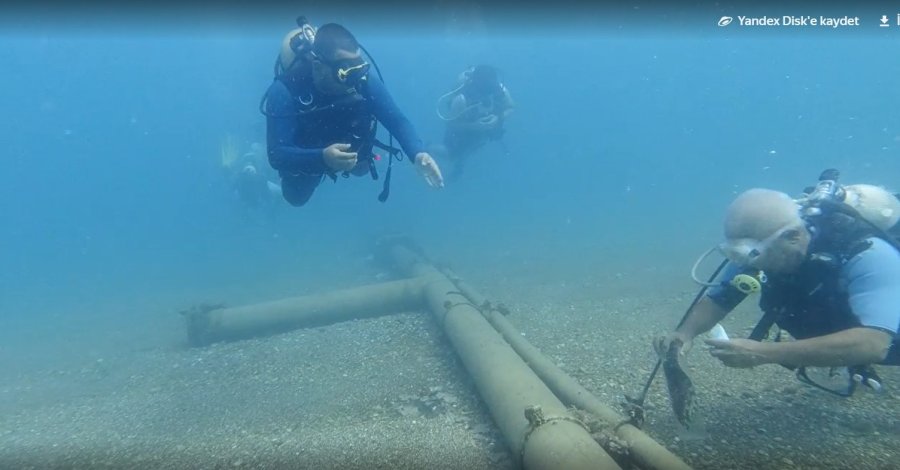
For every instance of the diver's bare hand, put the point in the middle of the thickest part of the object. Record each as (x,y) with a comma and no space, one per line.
(738,352)
(429,169)
(662,343)
(337,157)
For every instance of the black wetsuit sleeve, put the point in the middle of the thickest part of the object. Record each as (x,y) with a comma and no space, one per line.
(725,295)
(387,112)
(281,129)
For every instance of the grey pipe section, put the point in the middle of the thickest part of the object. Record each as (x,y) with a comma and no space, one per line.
(552,439)
(205,327)
(647,452)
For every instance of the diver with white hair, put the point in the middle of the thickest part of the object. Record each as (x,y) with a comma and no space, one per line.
(828,270)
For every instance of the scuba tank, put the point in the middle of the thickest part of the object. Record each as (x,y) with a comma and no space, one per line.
(296,45)
(871,206)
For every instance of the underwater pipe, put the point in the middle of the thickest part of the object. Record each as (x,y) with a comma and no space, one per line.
(646,452)
(220,324)
(539,431)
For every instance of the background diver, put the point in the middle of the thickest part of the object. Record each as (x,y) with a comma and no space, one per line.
(246,175)
(474,113)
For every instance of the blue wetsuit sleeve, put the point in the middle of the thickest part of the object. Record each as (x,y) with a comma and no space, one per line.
(281,129)
(873,286)
(725,295)
(389,114)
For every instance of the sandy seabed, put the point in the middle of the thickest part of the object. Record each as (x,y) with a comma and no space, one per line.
(390,393)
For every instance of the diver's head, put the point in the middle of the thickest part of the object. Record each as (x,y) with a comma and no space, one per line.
(248,169)
(764,230)
(483,81)
(337,63)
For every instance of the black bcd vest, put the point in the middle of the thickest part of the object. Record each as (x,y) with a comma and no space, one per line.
(810,301)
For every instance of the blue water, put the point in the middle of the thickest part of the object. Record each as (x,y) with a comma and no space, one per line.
(113,198)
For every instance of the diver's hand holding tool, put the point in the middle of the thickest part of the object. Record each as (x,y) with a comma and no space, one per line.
(662,343)
(634,406)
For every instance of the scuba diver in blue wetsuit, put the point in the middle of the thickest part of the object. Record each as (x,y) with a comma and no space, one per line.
(828,269)
(322,111)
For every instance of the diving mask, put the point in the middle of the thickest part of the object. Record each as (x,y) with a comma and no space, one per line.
(750,252)
(352,73)
(347,71)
